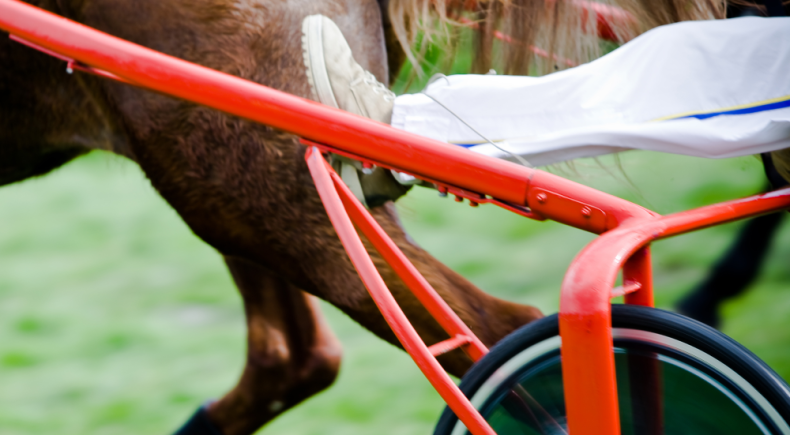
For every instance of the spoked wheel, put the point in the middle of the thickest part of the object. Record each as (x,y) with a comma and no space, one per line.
(674,376)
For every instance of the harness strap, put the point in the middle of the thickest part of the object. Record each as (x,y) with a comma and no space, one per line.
(350,176)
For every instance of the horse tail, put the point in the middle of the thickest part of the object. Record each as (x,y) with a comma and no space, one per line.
(531,36)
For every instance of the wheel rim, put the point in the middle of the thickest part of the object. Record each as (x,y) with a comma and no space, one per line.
(699,393)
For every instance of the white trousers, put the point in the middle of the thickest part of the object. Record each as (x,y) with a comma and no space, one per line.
(705,88)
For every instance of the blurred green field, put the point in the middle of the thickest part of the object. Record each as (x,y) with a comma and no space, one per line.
(116,319)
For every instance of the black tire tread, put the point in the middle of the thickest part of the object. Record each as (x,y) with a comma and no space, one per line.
(667,323)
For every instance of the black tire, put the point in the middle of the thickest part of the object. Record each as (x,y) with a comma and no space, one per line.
(685,349)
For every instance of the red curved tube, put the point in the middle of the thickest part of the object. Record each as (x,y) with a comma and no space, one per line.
(585,310)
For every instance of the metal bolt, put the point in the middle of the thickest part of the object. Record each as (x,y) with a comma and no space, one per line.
(542,197)
(586,212)
(473,204)
(459,198)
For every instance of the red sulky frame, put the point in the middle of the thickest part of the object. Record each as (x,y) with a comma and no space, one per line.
(585,311)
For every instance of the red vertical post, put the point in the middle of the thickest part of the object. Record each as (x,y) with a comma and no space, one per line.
(638,269)
(646,381)
(588,373)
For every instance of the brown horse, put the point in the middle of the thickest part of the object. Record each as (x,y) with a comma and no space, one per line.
(244,188)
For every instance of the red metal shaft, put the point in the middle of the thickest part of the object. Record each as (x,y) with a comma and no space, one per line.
(386,303)
(406,271)
(172,76)
(356,135)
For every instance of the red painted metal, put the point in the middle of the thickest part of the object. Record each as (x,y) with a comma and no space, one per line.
(166,74)
(623,290)
(425,293)
(386,303)
(585,311)
(638,272)
(585,325)
(568,208)
(444,189)
(355,135)
(71,64)
(445,346)
(648,385)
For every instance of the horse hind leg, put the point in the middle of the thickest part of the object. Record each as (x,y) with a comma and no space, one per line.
(733,272)
(292,354)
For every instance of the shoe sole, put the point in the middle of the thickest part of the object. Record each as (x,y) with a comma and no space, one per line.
(314,62)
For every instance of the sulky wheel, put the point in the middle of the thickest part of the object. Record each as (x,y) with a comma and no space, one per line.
(674,376)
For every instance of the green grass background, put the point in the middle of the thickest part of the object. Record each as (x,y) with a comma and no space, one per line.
(116,319)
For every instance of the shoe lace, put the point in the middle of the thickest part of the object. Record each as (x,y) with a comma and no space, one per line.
(378,87)
(441,76)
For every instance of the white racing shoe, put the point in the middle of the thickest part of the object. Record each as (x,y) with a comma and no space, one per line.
(337,80)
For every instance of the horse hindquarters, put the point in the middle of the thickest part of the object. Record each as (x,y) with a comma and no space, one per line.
(47,117)
(244,188)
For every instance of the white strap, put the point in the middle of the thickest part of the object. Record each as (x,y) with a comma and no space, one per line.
(350,176)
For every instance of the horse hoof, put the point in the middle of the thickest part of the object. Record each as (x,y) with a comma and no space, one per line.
(199,424)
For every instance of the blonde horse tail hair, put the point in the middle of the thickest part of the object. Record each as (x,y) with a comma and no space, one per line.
(653,13)
(532,36)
